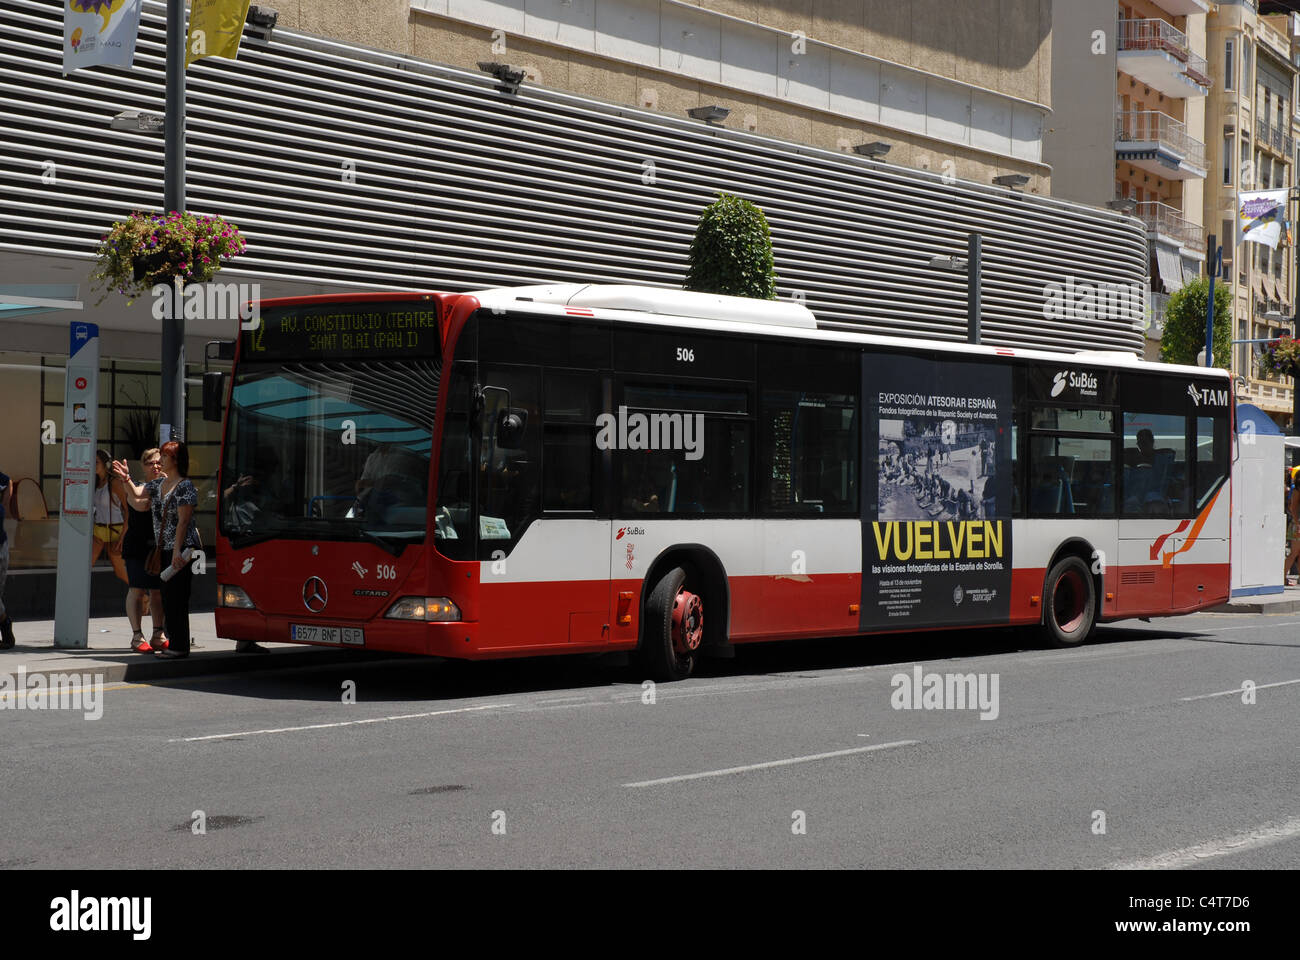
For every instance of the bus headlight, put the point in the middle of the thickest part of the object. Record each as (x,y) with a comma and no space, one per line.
(430,609)
(229,595)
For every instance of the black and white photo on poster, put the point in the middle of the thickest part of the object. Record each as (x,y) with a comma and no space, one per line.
(936,538)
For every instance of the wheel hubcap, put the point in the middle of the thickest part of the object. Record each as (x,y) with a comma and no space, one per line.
(688,622)
(1068,602)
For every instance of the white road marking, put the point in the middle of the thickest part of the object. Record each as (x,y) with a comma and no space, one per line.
(1289,623)
(574,699)
(1237,691)
(344,723)
(1189,856)
(771,763)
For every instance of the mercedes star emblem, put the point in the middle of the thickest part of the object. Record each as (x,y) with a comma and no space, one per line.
(315,595)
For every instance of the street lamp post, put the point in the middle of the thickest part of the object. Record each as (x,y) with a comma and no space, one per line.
(171,418)
(973,265)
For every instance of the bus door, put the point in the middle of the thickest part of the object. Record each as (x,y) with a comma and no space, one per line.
(1155,507)
(1201,563)
(543,550)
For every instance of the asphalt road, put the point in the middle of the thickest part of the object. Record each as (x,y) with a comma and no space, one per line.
(561,762)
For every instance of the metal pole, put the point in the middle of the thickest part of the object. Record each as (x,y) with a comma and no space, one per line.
(1212,268)
(172,406)
(973,271)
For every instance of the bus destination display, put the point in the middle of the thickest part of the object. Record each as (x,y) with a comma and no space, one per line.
(351,331)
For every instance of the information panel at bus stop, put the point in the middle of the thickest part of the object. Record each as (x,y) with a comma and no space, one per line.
(936,531)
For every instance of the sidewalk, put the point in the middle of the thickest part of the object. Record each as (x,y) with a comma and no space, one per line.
(110,656)
(1288,601)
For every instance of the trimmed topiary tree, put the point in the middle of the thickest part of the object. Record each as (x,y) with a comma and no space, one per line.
(1184,333)
(731,252)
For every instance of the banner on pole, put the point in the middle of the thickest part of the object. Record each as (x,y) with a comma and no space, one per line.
(215,29)
(99,32)
(1260,214)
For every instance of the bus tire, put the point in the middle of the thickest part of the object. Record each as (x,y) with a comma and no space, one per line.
(674,628)
(1069,603)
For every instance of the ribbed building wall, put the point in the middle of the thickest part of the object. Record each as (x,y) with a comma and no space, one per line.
(458,186)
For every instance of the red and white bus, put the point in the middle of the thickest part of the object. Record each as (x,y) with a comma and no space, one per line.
(577,469)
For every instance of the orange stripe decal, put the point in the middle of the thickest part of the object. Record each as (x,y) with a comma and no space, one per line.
(1168,558)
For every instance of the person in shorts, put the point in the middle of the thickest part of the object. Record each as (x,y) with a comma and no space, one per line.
(145,595)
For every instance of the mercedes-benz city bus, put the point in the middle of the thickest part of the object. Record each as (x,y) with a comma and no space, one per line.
(578,469)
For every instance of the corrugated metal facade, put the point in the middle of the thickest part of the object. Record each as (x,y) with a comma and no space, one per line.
(458,187)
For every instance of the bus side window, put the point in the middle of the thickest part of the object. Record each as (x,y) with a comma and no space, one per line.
(809,454)
(569,441)
(1211,457)
(509,460)
(1155,465)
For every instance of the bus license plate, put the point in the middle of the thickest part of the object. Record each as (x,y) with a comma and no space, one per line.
(315,633)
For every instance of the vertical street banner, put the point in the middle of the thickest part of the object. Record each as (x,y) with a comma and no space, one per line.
(76,515)
(215,29)
(1260,215)
(936,513)
(99,32)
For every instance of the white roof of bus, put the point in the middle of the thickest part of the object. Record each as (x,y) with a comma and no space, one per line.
(715,312)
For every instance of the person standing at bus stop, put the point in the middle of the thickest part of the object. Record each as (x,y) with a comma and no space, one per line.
(6,624)
(172,497)
(1293,525)
(145,595)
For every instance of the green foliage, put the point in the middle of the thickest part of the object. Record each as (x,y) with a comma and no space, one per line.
(1184,333)
(731,252)
(150,248)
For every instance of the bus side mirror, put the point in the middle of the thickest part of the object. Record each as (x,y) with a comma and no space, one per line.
(511,424)
(214,392)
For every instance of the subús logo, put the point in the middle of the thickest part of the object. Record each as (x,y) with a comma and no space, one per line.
(1083,381)
(630,531)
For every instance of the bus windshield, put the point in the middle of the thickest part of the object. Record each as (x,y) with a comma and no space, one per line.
(335,450)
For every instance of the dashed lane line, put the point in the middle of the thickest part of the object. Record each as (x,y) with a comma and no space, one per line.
(771,763)
(1190,856)
(1236,691)
(343,723)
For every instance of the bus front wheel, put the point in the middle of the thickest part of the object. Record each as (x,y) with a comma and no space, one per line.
(674,628)
(1069,603)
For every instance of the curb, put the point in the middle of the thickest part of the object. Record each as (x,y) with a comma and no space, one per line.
(1277,606)
(196,665)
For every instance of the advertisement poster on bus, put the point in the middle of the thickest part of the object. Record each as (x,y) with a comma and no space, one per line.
(936,530)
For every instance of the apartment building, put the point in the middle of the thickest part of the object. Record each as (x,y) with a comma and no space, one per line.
(1131,83)
(1252,115)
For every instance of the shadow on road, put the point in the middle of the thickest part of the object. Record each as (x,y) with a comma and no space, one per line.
(433,682)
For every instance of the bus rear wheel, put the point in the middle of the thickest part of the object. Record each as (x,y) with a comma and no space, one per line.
(1069,603)
(674,628)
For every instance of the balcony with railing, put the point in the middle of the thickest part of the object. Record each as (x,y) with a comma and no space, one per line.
(1275,138)
(1167,224)
(1157,53)
(1159,144)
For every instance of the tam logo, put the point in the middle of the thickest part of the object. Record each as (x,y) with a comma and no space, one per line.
(1207,396)
(630,531)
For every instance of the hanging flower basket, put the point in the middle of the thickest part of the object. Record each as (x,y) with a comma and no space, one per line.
(1281,357)
(150,248)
